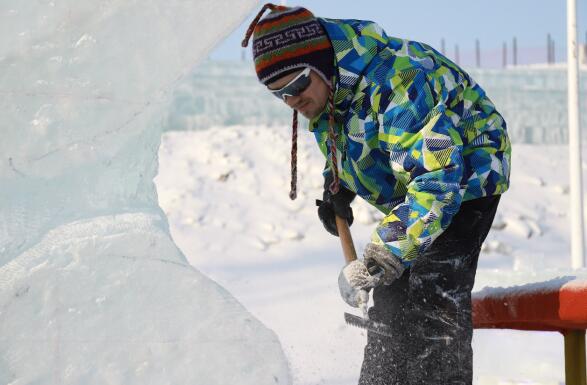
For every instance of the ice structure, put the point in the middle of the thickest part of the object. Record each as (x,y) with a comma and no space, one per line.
(533,100)
(92,288)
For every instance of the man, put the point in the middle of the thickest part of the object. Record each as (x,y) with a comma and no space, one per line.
(409,131)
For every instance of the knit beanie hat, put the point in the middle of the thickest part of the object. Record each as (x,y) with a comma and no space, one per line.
(286,40)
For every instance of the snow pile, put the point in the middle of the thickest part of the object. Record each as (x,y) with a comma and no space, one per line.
(92,288)
(518,283)
(216,93)
(225,191)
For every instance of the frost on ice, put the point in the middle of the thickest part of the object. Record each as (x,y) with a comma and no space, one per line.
(92,288)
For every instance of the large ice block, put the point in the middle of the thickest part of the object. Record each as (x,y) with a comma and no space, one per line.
(92,288)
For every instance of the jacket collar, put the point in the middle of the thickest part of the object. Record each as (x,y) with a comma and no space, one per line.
(356,43)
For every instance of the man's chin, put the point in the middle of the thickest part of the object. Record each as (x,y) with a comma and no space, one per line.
(309,114)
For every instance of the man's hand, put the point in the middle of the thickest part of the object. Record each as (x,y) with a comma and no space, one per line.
(334,204)
(379,255)
(379,266)
(355,281)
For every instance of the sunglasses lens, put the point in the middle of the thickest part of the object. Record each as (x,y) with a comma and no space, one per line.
(299,86)
(294,88)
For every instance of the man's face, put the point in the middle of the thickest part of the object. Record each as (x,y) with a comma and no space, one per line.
(309,103)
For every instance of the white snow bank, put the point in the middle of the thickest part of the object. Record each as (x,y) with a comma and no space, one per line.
(92,288)
(229,211)
(518,283)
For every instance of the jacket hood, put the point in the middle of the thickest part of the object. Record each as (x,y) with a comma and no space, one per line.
(356,43)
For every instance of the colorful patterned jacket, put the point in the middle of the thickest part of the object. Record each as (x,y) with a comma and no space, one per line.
(416,135)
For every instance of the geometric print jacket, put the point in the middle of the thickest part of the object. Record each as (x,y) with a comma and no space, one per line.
(416,135)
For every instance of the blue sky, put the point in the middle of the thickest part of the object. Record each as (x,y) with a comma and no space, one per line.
(457,21)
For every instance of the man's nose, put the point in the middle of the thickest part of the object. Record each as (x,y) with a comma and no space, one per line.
(292,100)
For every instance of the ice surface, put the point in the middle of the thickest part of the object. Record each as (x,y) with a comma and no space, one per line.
(223,93)
(92,288)
(532,99)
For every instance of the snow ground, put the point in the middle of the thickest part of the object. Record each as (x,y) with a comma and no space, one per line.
(225,192)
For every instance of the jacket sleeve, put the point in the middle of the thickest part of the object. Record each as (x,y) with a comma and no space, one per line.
(426,157)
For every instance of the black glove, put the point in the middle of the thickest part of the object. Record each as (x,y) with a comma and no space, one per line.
(334,204)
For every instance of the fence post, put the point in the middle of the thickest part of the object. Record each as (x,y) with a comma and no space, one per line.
(575,162)
(575,371)
(548,57)
(515,49)
(478,53)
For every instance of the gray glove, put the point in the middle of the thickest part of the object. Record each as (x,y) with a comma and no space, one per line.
(354,283)
(379,255)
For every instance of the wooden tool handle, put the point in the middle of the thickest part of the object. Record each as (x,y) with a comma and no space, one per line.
(346,240)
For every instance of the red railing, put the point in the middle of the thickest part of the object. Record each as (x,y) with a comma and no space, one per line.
(559,305)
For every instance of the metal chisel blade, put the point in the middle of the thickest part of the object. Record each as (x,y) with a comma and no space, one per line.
(375,327)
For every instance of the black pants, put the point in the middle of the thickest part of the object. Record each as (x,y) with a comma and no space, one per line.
(429,309)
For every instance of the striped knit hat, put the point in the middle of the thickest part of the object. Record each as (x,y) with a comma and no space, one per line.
(286,40)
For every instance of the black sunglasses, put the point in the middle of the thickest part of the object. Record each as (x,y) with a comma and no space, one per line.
(296,86)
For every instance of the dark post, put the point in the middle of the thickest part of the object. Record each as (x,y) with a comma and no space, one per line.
(515,49)
(478,53)
(548,49)
(504,55)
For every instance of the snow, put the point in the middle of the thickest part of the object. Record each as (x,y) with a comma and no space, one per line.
(544,283)
(93,289)
(238,230)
